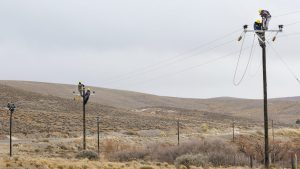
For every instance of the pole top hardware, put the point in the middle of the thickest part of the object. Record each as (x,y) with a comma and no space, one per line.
(11,107)
(280,27)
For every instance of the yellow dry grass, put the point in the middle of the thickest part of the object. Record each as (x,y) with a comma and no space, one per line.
(58,163)
(288,132)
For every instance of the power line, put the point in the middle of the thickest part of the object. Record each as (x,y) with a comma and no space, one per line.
(251,63)
(289,34)
(293,23)
(190,68)
(174,59)
(138,70)
(237,65)
(285,63)
(286,14)
(240,54)
(171,62)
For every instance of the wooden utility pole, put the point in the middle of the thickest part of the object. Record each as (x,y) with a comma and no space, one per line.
(233,126)
(273,131)
(265,91)
(11,107)
(178,137)
(10,132)
(262,39)
(98,135)
(84,128)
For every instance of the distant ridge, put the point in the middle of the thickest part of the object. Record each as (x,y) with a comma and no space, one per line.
(286,109)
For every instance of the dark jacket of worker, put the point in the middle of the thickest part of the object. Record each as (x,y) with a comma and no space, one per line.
(86,96)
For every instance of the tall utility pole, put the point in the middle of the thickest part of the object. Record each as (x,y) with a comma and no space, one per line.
(273,158)
(233,126)
(83,120)
(178,124)
(11,107)
(262,40)
(98,135)
(266,122)
(273,131)
(85,94)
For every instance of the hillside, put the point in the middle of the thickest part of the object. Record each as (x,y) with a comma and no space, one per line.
(40,115)
(283,109)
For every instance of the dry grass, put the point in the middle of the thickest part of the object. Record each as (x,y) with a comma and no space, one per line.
(57,163)
(288,132)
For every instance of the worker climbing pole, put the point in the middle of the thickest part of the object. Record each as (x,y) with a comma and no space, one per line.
(85,95)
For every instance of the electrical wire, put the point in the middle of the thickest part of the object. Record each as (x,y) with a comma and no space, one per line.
(286,14)
(170,60)
(190,68)
(138,70)
(284,62)
(260,63)
(251,63)
(289,34)
(245,71)
(238,61)
(156,68)
(293,23)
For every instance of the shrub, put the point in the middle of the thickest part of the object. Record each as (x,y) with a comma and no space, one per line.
(146,167)
(298,121)
(191,160)
(129,155)
(197,152)
(205,147)
(223,159)
(91,155)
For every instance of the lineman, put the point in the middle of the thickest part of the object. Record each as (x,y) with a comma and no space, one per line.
(80,88)
(258,26)
(266,17)
(87,96)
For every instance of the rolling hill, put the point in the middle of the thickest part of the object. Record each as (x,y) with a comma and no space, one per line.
(285,110)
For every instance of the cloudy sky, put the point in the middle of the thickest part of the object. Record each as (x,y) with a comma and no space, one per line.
(164,47)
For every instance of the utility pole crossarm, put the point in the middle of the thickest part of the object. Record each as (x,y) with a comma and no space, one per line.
(262,31)
(280,29)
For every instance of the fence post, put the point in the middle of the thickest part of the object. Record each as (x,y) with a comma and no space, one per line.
(293,161)
(270,158)
(234,160)
(296,161)
(251,161)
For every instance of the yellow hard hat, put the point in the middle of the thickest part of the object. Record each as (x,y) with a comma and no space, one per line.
(260,10)
(258,21)
(88,89)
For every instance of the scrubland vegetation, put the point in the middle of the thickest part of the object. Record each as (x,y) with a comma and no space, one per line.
(47,135)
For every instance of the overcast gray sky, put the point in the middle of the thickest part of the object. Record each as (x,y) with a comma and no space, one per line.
(134,45)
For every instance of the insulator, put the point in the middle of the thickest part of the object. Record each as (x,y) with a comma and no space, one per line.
(240,38)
